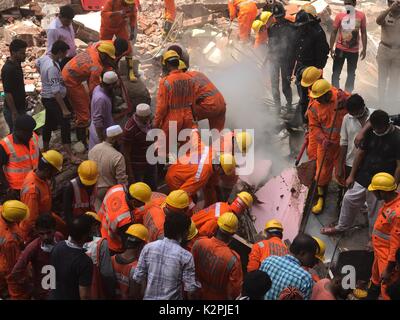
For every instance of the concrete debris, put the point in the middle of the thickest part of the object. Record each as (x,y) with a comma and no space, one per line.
(25,30)
(7,4)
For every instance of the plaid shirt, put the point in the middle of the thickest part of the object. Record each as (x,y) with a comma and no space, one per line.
(166,266)
(286,272)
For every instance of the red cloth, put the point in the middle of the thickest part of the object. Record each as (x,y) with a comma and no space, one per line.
(349,39)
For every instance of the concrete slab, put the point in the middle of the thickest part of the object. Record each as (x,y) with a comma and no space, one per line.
(284,199)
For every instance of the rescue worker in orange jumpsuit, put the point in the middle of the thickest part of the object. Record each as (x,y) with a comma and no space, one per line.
(19,154)
(192,237)
(154,216)
(175,97)
(36,193)
(210,103)
(325,116)
(169,15)
(124,264)
(80,194)
(11,213)
(309,76)
(385,235)
(206,220)
(260,27)
(246,12)
(272,246)
(118,209)
(86,66)
(218,267)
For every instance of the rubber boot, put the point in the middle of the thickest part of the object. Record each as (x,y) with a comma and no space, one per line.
(132,76)
(373,291)
(319,206)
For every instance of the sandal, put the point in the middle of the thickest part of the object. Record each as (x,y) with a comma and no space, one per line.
(330,231)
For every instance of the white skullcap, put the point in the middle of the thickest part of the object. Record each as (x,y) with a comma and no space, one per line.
(110,77)
(143,110)
(114,131)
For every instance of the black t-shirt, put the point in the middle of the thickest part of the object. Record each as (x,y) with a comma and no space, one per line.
(73,269)
(381,155)
(13,83)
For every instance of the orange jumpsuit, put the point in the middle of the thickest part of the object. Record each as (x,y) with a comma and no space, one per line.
(218,269)
(206,219)
(385,240)
(154,219)
(170,10)
(194,175)
(85,66)
(175,99)
(113,22)
(263,249)
(210,103)
(320,121)
(261,37)
(36,194)
(11,244)
(312,144)
(123,274)
(189,245)
(246,12)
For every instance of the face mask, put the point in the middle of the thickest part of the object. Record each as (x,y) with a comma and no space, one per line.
(384,133)
(46,247)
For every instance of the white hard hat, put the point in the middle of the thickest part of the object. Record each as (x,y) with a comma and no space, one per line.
(143,110)
(114,131)
(110,77)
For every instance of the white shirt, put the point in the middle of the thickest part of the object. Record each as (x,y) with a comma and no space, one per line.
(351,126)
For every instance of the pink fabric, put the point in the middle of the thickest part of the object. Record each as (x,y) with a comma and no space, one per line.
(320,292)
(345,36)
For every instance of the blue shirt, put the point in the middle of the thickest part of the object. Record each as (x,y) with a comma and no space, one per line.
(286,272)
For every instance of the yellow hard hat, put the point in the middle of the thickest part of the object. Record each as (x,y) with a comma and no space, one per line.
(382,181)
(256,26)
(129,1)
(54,158)
(246,197)
(182,65)
(310,75)
(265,16)
(319,88)
(138,231)
(140,191)
(88,172)
(93,215)
(108,48)
(273,224)
(228,222)
(310,9)
(321,249)
(170,54)
(192,231)
(15,211)
(228,163)
(178,199)
(244,140)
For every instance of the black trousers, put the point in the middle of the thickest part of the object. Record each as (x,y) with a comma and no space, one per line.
(338,62)
(54,118)
(281,69)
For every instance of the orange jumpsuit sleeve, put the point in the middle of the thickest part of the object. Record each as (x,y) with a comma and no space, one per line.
(31,199)
(232,9)
(209,228)
(254,258)
(316,133)
(94,79)
(109,12)
(192,185)
(394,239)
(234,286)
(162,104)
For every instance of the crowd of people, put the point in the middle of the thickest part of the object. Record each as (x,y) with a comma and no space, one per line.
(118,237)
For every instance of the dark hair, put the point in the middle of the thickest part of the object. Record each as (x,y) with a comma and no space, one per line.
(80,227)
(59,46)
(45,221)
(121,45)
(176,224)
(379,118)
(24,122)
(256,284)
(304,243)
(67,12)
(393,290)
(17,44)
(355,102)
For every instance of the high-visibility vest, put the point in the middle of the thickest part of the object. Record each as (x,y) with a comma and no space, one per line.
(21,160)
(81,202)
(123,272)
(114,213)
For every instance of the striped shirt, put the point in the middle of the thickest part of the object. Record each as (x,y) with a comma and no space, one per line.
(286,272)
(166,266)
